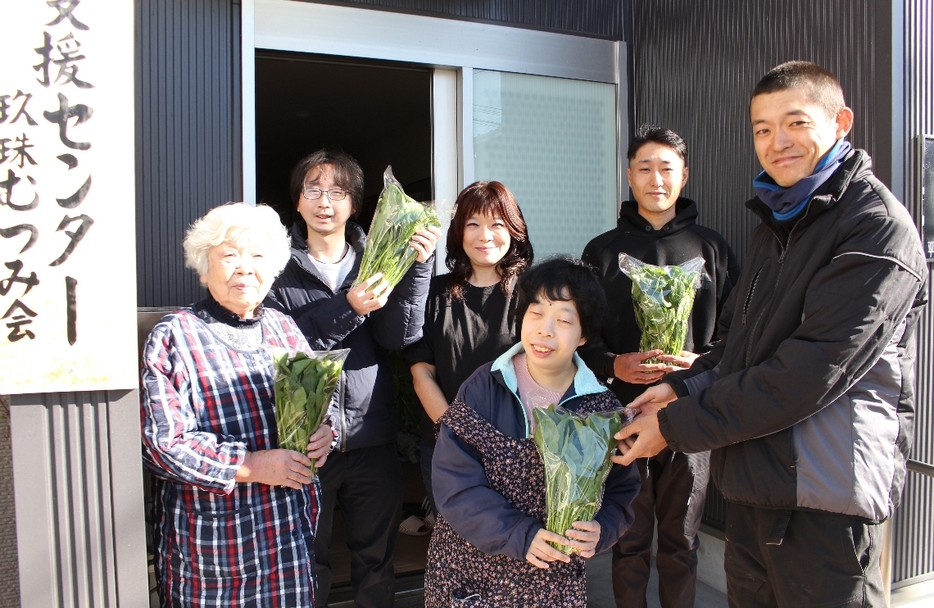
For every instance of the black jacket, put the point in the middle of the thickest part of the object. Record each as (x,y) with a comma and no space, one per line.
(675,243)
(364,412)
(813,401)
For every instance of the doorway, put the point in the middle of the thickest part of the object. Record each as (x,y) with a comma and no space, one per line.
(379,112)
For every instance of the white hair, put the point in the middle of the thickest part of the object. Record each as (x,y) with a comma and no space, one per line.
(241,224)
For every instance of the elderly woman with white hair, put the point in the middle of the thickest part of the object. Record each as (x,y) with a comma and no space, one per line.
(234,516)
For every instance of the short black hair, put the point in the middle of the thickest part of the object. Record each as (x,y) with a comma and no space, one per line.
(653,134)
(824,88)
(347,174)
(561,278)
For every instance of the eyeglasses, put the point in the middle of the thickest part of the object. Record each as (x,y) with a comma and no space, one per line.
(334,194)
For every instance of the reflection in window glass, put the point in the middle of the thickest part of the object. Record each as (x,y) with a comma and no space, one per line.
(552,141)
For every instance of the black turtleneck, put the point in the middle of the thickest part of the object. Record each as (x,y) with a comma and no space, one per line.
(240,333)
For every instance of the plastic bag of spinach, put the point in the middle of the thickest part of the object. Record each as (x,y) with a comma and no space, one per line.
(662,298)
(304,386)
(396,219)
(576,452)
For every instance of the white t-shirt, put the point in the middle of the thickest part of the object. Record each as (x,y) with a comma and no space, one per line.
(334,274)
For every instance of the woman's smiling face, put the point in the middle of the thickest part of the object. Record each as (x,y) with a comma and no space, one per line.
(486,240)
(551,333)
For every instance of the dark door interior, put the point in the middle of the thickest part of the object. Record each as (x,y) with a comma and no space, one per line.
(378,112)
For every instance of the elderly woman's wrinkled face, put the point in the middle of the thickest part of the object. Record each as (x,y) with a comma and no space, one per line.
(238,277)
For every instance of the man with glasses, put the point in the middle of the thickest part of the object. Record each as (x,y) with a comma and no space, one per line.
(363,475)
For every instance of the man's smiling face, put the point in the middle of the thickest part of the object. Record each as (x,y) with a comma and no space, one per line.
(792,132)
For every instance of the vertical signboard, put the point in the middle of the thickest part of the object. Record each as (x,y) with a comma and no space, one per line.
(927,193)
(67,254)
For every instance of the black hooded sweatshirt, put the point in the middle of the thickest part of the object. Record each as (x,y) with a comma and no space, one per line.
(674,243)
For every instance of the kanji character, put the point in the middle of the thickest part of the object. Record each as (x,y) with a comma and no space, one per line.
(5,108)
(65,9)
(25,317)
(67,48)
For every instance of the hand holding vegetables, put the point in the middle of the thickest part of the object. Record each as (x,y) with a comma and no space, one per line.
(576,453)
(424,241)
(400,233)
(275,468)
(370,295)
(319,445)
(582,539)
(635,369)
(642,438)
(304,386)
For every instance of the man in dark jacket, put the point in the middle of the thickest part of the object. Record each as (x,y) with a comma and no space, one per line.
(808,399)
(363,475)
(659,227)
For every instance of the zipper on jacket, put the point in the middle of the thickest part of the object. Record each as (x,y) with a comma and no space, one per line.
(752,290)
(778,278)
(340,410)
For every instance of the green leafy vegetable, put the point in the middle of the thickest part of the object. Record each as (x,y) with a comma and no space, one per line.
(397,218)
(576,452)
(663,297)
(304,385)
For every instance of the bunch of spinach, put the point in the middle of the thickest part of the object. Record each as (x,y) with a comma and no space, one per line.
(576,452)
(397,218)
(662,297)
(304,385)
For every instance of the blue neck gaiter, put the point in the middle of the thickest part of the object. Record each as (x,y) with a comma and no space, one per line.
(787,203)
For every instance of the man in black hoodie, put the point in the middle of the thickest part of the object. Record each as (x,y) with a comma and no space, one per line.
(658,227)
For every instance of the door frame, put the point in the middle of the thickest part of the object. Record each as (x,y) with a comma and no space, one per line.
(454,49)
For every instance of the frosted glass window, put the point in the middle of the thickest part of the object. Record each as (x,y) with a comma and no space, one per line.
(552,141)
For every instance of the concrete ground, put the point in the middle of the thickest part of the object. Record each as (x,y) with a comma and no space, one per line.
(600,587)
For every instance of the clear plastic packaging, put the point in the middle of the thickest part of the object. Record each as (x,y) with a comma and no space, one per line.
(663,297)
(396,219)
(576,451)
(304,386)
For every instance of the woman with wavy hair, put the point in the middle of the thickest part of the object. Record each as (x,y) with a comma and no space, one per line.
(469,318)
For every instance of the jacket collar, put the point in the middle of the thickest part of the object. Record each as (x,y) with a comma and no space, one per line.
(855,165)
(353,234)
(585,382)
(630,221)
